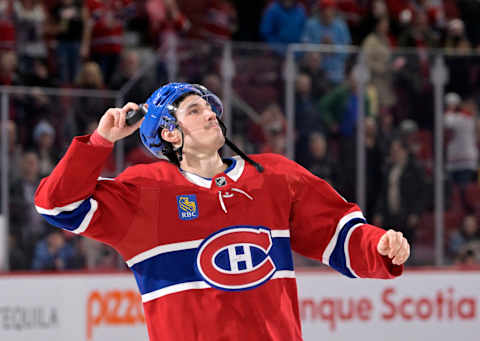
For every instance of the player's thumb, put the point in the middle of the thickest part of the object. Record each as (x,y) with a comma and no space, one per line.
(383,245)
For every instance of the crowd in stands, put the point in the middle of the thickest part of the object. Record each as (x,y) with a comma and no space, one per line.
(105,45)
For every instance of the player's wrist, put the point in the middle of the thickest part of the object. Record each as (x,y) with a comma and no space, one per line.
(99,139)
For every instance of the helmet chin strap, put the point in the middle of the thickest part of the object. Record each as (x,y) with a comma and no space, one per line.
(233,146)
(237,150)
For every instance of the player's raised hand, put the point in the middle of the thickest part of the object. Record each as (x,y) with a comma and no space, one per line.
(112,125)
(394,245)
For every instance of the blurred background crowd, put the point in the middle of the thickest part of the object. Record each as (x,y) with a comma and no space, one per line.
(127,44)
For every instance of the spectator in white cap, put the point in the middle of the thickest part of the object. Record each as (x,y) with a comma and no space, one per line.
(452,101)
(462,154)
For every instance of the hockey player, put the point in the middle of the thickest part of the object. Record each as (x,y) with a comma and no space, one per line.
(208,239)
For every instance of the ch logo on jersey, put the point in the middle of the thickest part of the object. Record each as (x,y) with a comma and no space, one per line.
(187,206)
(236,258)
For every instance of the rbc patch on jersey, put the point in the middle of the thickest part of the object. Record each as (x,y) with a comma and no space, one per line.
(236,258)
(187,206)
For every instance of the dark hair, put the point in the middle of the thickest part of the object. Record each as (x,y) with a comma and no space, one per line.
(170,153)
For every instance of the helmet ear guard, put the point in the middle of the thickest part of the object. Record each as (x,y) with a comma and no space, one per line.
(161,115)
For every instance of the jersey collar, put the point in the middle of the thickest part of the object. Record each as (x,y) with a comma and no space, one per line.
(234,171)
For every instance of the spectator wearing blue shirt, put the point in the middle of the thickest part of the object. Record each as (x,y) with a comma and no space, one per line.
(283,23)
(325,27)
(54,253)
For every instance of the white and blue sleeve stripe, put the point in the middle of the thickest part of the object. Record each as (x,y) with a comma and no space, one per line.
(74,217)
(336,254)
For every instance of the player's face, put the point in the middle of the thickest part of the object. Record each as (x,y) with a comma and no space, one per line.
(201,130)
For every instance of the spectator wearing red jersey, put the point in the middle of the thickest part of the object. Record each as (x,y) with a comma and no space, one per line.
(103,40)
(220,21)
(7,26)
(166,22)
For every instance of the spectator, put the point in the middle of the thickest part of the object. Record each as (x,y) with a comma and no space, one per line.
(378,53)
(467,237)
(460,60)
(435,11)
(376,11)
(54,253)
(276,143)
(8,69)
(17,259)
(39,75)
(7,26)
(44,138)
(462,153)
(307,118)
(470,12)
(220,20)
(166,22)
(9,76)
(386,132)
(325,27)
(319,162)
(419,34)
(374,163)
(419,144)
(339,109)
(105,34)
(68,24)
(27,226)
(14,152)
(282,23)
(456,39)
(130,67)
(469,256)
(36,106)
(353,12)
(90,77)
(87,108)
(30,23)
(269,130)
(311,64)
(401,195)
(412,79)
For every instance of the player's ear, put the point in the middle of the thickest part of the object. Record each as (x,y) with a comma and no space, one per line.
(172,136)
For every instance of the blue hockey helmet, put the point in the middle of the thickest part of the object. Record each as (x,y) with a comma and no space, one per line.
(161,113)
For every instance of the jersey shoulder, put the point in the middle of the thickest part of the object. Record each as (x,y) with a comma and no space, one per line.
(143,174)
(280,166)
(277,163)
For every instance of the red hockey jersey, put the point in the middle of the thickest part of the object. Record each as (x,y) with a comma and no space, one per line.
(212,257)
